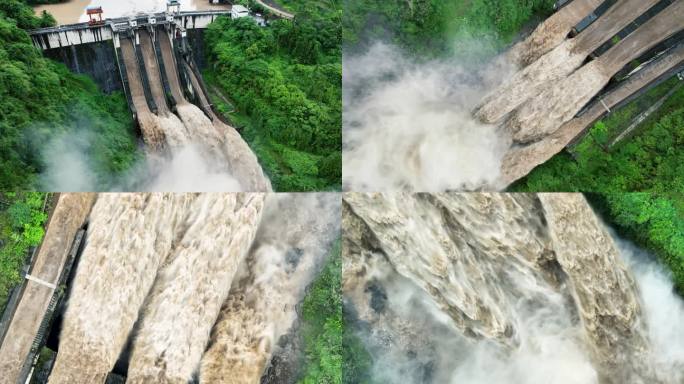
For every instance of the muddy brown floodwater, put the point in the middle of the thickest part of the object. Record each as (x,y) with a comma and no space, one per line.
(73,11)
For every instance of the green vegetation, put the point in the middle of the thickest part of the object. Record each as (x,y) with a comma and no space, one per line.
(652,221)
(40,100)
(284,84)
(649,161)
(357,361)
(439,27)
(322,328)
(333,352)
(21,227)
(45,358)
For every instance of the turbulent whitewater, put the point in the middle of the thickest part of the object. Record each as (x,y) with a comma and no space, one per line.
(499,288)
(408,126)
(190,280)
(262,304)
(448,125)
(184,143)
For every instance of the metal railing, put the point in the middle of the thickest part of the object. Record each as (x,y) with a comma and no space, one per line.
(119,23)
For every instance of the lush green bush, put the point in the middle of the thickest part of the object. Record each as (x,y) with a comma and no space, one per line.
(21,227)
(445,27)
(40,100)
(322,328)
(333,352)
(653,221)
(285,81)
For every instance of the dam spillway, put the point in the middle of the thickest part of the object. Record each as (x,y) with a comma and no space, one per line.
(157,278)
(156,70)
(568,84)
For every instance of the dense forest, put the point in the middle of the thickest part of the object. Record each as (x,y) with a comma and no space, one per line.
(40,100)
(284,84)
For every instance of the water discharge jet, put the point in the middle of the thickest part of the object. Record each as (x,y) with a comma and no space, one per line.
(262,305)
(176,134)
(577,314)
(152,133)
(546,112)
(191,285)
(223,149)
(225,145)
(559,62)
(607,298)
(520,160)
(129,237)
(438,261)
(550,32)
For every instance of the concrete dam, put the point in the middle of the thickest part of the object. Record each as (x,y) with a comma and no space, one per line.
(150,59)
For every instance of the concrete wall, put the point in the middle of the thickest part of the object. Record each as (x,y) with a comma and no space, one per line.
(91,50)
(191,21)
(96,60)
(58,37)
(81,33)
(196,40)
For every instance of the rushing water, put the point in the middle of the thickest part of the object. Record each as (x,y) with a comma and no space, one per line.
(410,125)
(164,267)
(73,11)
(262,305)
(501,288)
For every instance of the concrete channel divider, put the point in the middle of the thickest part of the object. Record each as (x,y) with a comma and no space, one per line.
(68,216)
(143,74)
(124,79)
(57,301)
(162,67)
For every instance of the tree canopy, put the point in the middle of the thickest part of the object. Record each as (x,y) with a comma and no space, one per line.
(285,80)
(41,99)
(437,28)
